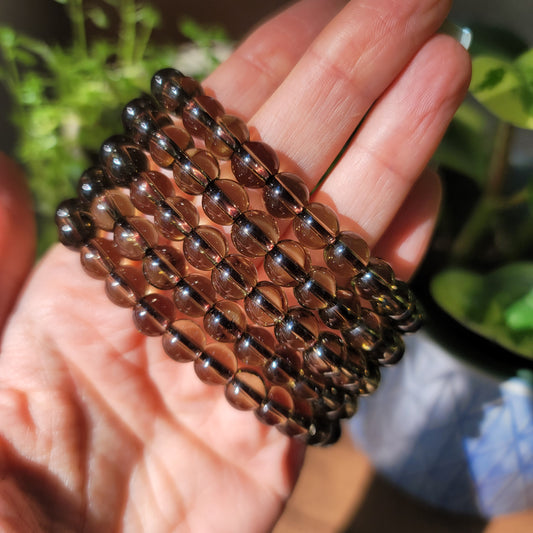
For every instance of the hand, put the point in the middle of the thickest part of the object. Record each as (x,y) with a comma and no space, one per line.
(100,430)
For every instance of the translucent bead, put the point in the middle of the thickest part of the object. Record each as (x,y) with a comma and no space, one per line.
(153,314)
(148,190)
(134,236)
(276,408)
(284,367)
(225,321)
(398,302)
(176,218)
(224,200)
(141,118)
(163,267)
(316,226)
(326,356)
(193,174)
(285,195)
(110,207)
(234,277)
(99,257)
(125,285)
(183,341)
(345,310)
(300,421)
(194,295)
(365,334)
(374,279)
(253,163)
(318,290)
(390,351)
(93,182)
(173,90)
(255,233)
(266,304)
(216,365)
(287,263)
(200,114)
(298,329)
(347,255)
(75,226)
(168,145)
(122,159)
(226,136)
(370,380)
(326,432)
(413,322)
(255,346)
(246,390)
(205,247)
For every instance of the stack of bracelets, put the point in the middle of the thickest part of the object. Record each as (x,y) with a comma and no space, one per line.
(298,346)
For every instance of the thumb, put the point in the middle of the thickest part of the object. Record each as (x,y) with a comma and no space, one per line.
(17,234)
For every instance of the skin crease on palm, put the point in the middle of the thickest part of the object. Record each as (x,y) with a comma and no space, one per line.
(100,431)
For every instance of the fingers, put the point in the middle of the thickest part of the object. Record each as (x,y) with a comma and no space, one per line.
(17,234)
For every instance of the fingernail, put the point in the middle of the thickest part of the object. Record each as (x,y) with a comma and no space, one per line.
(462,35)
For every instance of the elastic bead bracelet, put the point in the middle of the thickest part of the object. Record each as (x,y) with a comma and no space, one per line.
(167,223)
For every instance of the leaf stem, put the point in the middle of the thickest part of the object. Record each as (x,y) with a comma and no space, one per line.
(127,31)
(78,26)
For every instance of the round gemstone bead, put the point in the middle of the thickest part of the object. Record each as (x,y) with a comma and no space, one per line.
(287,263)
(122,159)
(193,174)
(134,235)
(298,329)
(253,163)
(370,380)
(141,119)
(216,365)
(125,285)
(173,90)
(194,295)
(224,200)
(148,190)
(327,355)
(246,390)
(390,351)
(225,321)
(99,257)
(266,304)
(184,341)
(318,290)
(226,136)
(276,408)
(255,233)
(377,277)
(342,312)
(164,266)
(168,145)
(285,195)
(153,314)
(200,115)
(176,218)
(75,226)
(111,207)
(255,346)
(347,255)
(93,182)
(284,367)
(365,334)
(234,277)
(316,226)
(205,247)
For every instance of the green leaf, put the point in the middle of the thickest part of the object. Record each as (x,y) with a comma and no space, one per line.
(148,16)
(492,305)
(8,37)
(98,17)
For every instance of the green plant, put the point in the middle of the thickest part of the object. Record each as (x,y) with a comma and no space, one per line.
(485,238)
(65,99)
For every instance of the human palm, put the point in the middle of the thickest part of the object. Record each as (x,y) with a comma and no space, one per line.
(100,430)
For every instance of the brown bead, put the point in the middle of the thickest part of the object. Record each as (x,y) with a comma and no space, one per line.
(253,163)
(277,407)
(300,421)
(205,247)
(234,277)
(153,314)
(255,346)
(365,334)
(284,367)
(347,255)
(326,356)
(200,115)
(318,290)
(316,226)
(298,329)
(287,263)
(216,365)
(266,304)
(370,380)
(193,174)
(194,295)
(224,200)
(343,312)
(164,266)
(99,257)
(285,195)
(125,285)
(75,226)
(255,233)
(165,146)
(390,351)
(373,281)
(92,183)
(246,390)
(183,341)
(110,207)
(173,90)
(225,321)
(134,235)
(148,190)
(176,218)
(122,159)
(226,137)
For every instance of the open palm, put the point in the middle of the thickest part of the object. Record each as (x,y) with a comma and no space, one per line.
(101,431)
